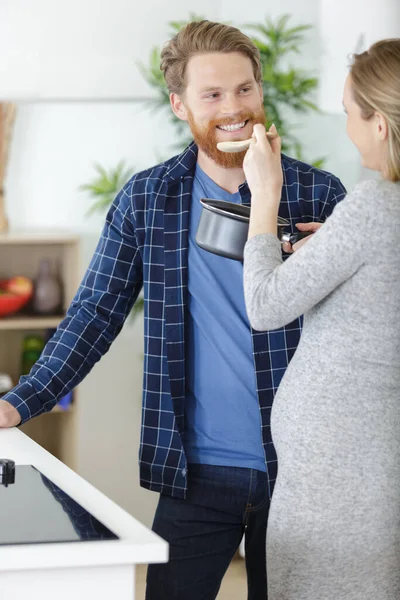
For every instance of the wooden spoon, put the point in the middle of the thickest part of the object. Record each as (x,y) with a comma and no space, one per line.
(241,145)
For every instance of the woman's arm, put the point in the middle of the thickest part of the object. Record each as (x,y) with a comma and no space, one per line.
(276,293)
(263,169)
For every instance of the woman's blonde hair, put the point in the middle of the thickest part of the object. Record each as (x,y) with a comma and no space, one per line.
(375,76)
(199,37)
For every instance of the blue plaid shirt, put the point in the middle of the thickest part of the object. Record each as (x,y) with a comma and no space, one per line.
(145,243)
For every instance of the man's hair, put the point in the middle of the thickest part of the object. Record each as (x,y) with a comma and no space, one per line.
(200,37)
(375,82)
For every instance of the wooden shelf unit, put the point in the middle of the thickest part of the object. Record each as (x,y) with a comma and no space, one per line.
(20,254)
(28,322)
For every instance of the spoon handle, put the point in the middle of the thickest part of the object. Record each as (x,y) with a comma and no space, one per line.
(241,145)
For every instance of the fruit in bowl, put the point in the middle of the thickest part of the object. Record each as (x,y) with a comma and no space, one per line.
(15,293)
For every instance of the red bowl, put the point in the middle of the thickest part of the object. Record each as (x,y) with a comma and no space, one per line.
(12,303)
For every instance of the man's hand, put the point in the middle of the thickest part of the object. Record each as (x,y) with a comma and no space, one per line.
(311,227)
(9,416)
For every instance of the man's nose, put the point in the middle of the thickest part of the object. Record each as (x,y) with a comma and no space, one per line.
(231,104)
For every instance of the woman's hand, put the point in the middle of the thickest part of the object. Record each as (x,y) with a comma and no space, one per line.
(263,170)
(262,165)
(306,227)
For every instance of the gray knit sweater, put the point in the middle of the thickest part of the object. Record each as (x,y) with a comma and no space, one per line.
(334,527)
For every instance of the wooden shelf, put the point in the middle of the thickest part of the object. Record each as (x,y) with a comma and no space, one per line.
(58,409)
(29,322)
(41,238)
(20,254)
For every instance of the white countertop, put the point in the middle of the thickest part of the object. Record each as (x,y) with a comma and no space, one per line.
(137,543)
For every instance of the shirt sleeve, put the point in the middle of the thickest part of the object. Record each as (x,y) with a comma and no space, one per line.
(336,193)
(105,297)
(276,293)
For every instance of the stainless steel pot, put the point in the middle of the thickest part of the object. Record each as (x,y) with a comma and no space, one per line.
(223,228)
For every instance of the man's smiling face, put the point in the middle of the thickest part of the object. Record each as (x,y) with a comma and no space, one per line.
(222,101)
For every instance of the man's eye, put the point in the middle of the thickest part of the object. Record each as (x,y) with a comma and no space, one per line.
(213,95)
(245,90)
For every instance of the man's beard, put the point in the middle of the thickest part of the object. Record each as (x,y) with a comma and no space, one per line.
(206,137)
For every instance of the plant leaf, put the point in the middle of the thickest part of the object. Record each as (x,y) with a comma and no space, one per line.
(106,185)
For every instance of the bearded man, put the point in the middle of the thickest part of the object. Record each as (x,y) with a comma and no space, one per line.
(209,379)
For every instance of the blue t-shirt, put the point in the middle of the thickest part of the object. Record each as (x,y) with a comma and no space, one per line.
(222,417)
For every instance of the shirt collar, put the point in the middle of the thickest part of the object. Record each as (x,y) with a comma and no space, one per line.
(184,164)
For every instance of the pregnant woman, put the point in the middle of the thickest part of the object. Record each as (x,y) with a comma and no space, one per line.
(334,525)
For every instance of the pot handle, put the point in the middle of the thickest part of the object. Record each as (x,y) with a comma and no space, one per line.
(296,237)
(292,238)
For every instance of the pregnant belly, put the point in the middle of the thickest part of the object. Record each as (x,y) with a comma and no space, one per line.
(335,431)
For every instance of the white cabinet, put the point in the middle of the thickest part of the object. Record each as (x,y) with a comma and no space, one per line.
(94,569)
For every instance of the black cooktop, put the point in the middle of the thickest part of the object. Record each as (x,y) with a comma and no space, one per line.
(34,510)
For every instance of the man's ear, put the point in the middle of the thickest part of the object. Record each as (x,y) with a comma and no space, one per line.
(178,106)
(261,91)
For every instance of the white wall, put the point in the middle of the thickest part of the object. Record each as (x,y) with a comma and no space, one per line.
(54,147)
(81,52)
(82,48)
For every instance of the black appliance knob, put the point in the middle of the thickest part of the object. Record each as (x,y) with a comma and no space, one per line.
(7,471)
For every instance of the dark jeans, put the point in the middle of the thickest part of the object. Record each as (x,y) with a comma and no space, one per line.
(205,530)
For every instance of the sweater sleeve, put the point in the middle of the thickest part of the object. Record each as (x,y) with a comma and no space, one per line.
(276,293)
